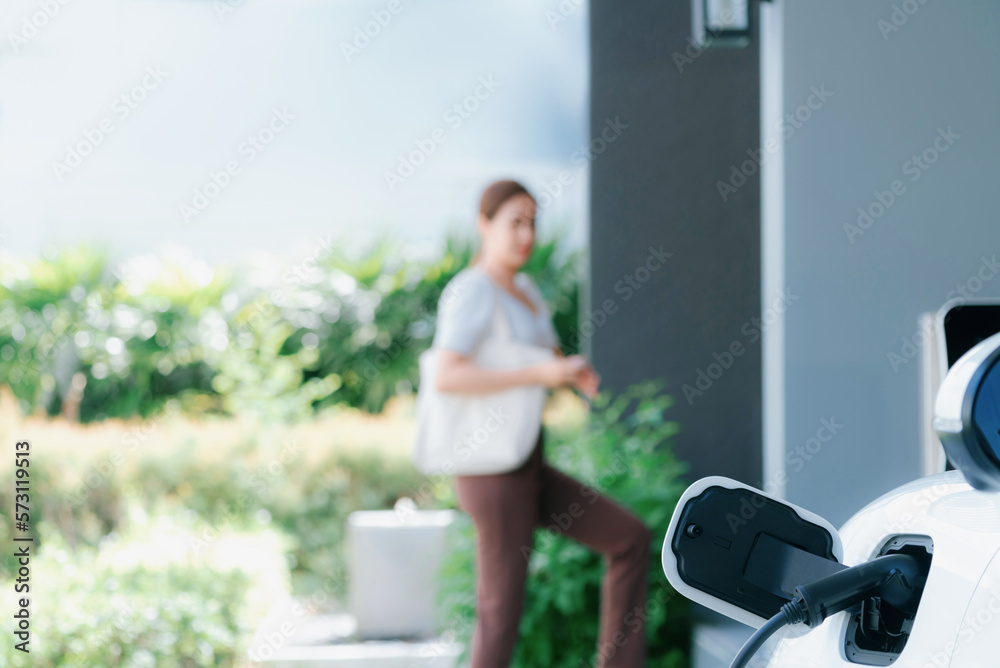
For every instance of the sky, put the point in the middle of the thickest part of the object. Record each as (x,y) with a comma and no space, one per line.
(236,126)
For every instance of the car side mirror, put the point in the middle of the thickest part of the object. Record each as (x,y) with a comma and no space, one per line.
(967,414)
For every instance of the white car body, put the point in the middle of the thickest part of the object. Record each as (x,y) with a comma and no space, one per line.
(957,624)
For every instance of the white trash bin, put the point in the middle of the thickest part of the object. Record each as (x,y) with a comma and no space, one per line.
(394,557)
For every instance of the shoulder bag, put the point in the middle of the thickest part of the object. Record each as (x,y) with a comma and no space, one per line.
(475,433)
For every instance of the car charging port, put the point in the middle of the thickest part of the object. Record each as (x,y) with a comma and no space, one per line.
(877,633)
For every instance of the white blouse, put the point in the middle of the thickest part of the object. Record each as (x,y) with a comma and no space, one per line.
(465,312)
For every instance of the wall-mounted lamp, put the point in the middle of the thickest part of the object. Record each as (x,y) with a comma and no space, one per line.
(724,23)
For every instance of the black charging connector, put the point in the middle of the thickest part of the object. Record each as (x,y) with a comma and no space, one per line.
(892,578)
(895,579)
(877,632)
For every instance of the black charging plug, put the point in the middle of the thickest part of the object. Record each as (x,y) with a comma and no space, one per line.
(894,578)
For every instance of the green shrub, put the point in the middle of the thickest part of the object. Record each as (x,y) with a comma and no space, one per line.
(154,597)
(92,341)
(303,483)
(628,458)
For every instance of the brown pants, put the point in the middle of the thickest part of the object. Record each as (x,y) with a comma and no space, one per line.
(506,508)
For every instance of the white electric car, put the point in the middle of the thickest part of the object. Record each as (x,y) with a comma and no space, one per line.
(912,580)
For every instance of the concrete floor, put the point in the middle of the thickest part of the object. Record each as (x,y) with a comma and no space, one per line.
(327,641)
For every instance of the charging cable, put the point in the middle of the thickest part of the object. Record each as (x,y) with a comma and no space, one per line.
(893,578)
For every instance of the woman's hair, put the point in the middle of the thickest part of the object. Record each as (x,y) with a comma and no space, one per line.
(493,198)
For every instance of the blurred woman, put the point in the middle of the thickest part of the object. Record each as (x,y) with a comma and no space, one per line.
(507,507)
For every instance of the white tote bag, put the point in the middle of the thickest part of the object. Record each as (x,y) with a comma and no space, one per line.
(475,433)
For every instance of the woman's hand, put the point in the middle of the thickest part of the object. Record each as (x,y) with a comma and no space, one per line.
(562,370)
(574,371)
(587,382)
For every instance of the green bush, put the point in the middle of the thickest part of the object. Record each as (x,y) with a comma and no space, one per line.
(627,456)
(92,341)
(308,503)
(303,483)
(150,598)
